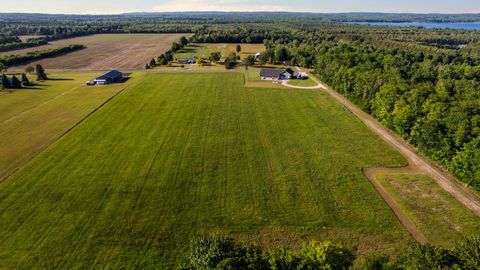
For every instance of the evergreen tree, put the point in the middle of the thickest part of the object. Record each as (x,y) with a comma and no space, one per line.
(40,73)
(25,80)
(169,56)
(5,81)
(152,63)
(176,47)
(2,67)
(15,83)
(159,59)
(164,61)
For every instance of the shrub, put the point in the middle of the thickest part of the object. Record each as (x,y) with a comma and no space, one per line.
(326,255)
(416,256)
(467,251)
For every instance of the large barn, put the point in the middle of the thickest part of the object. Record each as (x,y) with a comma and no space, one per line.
(113,76)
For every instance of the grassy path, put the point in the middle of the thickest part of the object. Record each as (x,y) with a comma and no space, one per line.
(406,221)
(442,219)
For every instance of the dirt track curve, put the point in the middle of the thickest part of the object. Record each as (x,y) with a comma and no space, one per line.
(417,165)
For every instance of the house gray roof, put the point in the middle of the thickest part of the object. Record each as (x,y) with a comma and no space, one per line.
(275,72)
(113,74)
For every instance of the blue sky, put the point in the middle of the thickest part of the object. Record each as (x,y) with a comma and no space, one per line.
(121,6)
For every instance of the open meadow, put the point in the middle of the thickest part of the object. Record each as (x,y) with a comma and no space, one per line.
(436,213)
(106,51)
(33,118)
(185,154)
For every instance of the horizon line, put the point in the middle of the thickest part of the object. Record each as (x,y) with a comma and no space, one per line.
(237,11)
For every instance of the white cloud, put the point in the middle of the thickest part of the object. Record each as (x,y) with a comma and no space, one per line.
(212,5)
(107,12)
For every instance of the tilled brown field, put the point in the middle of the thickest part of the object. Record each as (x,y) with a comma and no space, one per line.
(106,51)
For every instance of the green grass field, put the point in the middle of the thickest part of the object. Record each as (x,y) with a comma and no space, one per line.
(436,213)
(185,154)
(304,83)
(32,119)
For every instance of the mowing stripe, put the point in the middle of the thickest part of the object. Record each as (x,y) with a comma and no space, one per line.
(64,133)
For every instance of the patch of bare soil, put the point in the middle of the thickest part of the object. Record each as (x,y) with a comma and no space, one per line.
(108,51)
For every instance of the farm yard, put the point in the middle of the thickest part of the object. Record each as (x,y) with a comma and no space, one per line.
(179,155)
(253,80)
(33,118)
(204,50)
(106,51)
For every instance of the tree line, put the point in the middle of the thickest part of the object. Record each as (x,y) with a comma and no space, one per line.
(431,100)
(32,56)
(11,81)
(5,47)
(220,252)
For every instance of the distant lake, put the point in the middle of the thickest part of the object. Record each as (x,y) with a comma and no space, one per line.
(464,26)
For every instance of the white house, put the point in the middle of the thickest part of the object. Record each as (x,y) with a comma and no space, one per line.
(277,74)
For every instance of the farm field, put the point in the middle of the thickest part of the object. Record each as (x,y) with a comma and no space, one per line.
(106,51)
(32,119)
(435,212)
(205,49)
(185,154)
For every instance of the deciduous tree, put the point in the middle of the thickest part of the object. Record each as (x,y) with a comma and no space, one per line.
(29,69)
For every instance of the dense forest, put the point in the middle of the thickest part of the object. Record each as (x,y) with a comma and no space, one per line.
(422,83)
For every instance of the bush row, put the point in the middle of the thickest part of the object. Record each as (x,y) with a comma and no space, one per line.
(32,56)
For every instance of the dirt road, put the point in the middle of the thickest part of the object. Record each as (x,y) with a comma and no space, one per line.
(417,163)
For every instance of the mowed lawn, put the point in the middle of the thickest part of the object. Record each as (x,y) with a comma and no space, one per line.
(32,119)
(185,154)
(105,51)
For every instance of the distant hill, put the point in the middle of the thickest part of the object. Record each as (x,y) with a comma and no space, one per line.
(327,17)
